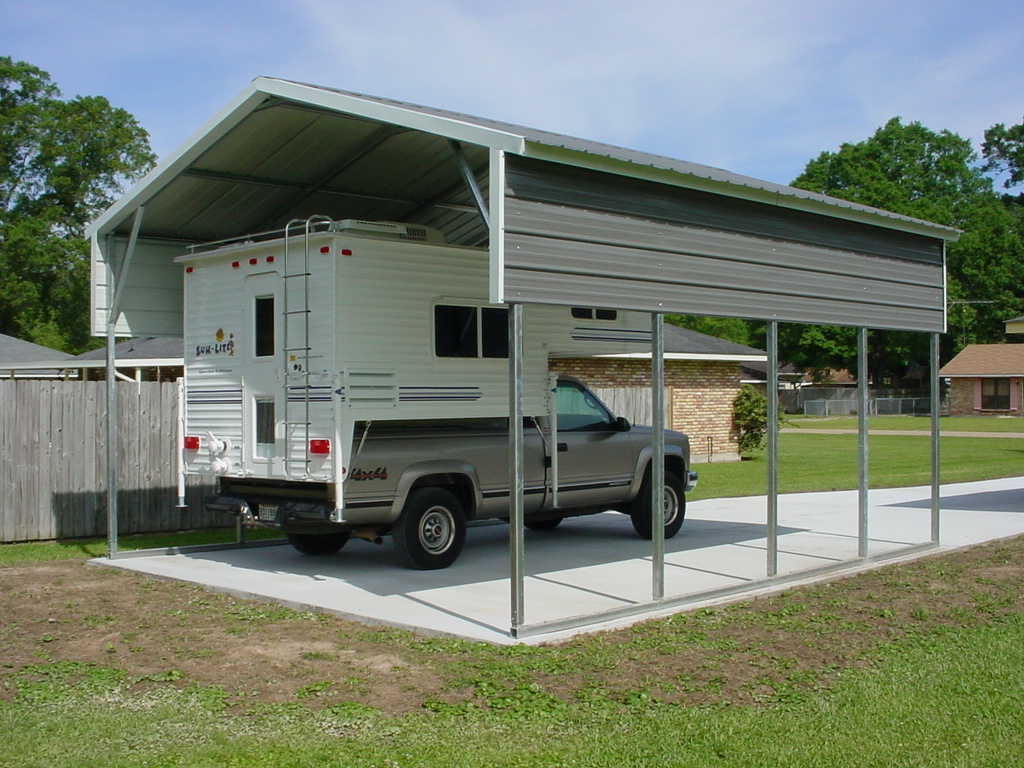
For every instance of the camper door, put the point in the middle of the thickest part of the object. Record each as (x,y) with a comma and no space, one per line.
(262,390)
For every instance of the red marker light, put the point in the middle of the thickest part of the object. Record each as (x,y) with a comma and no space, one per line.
(254,261)
(270,259)
(189,270)
(192,443)
(236,264)
(320,447)
(325,249)
(346,251)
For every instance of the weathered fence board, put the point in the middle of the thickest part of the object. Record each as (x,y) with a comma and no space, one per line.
(635,403)
(53,479)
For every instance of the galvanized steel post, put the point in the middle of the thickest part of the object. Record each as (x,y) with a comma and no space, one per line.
(516,464)
(773,448)
(933,375)
(115,293)
(658,457)
(862,442)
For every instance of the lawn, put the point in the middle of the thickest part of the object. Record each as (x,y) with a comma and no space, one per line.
(817,462)
(916,664)
(946,423)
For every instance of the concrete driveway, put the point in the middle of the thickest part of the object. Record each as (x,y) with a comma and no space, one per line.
(597,564)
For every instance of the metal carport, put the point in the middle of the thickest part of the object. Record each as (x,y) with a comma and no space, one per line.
(566,221)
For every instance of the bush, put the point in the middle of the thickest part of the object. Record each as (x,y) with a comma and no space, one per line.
(750,414)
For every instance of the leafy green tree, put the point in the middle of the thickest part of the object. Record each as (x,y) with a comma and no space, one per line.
(728,328)
(912,170)
(1003,150)
(62,162)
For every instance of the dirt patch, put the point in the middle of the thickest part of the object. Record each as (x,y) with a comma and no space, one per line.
(762,650)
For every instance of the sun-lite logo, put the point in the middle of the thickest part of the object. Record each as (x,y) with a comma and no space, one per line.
(221,347)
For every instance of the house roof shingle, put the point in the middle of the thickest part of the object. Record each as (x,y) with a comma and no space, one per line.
(986,360)
(14,350)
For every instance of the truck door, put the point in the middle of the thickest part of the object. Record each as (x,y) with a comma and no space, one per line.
(595,459)
(262,387)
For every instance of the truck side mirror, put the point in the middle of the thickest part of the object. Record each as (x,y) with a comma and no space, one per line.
(622,424)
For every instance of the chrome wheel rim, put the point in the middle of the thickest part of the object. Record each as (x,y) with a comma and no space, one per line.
(671,511)
(436,531)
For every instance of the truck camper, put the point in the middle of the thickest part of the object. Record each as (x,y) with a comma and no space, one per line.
(349,378)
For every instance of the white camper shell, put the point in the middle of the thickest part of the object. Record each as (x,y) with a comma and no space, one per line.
(293,339)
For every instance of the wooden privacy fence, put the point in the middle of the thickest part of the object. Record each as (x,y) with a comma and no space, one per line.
(53,477)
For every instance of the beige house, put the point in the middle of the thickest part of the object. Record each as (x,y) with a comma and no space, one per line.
(986,379)
(703,375)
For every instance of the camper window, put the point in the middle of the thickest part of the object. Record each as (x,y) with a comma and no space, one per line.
(586,313)
(264,332)
(264,427)
(461,331)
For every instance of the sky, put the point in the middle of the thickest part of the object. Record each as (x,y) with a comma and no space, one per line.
(751,86)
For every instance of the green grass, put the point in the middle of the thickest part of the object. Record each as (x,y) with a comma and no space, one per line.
(814,462)
(78,549)
(949,700)
(946,423)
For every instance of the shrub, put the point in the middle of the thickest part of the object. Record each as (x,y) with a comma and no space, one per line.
(750,414)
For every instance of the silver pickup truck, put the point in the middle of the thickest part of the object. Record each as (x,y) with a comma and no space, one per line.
(422,482)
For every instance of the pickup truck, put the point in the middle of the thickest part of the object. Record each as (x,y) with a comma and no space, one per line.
(422,482)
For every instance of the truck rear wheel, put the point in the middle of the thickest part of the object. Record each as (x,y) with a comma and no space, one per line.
(431,530)
(318,543)
(675,507)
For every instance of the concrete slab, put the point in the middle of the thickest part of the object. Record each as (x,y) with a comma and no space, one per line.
(597,564)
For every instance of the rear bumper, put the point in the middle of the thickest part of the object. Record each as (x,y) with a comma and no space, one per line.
(269,511)
(691,481)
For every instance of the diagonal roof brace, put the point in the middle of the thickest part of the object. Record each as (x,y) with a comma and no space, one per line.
(470,179)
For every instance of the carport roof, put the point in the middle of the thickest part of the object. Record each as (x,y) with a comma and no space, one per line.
(283,149)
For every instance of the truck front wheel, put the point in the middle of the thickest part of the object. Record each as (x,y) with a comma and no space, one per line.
(431,530)
(675,507)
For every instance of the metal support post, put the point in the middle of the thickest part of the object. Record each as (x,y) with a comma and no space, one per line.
(116,286)
(773,448)
(658,457)
(933,375)
(516,465)
(862,441)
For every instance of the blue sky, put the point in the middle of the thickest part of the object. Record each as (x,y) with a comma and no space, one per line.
(753,86)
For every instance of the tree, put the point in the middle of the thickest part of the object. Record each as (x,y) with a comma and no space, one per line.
(62,162)
(729,328)
(1003,150)
(912,170)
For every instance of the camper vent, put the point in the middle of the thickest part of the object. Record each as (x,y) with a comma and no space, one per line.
(389,230)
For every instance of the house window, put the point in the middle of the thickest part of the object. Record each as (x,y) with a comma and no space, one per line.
(264,332)
(461,331)
(995,394)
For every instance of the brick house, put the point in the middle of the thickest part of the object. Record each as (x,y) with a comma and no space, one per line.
(703,374)
(986,378)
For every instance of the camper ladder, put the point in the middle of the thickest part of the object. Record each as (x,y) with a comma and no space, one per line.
(295,313)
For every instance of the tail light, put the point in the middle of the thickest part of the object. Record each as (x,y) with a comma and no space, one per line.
(320,447)
(192,443)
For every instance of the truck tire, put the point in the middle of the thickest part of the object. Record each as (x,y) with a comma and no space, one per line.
(431,530)
(318,543)
(675,507)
